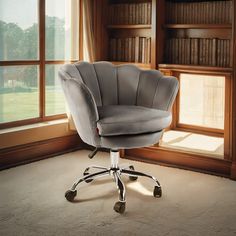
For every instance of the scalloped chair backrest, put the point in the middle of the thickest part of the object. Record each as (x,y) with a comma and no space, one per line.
(123,85)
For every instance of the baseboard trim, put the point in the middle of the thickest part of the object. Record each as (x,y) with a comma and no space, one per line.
(23,154)
(233,171)
(182,160)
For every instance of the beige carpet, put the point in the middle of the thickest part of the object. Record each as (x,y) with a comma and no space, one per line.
(32,201)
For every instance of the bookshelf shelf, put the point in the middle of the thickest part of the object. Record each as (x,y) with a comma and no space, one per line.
(197,26)
(198,33)
(138,26)
(131,32)
(141,65)
(180,67)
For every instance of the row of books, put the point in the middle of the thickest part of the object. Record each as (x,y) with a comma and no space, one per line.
(136,13)
(207,12)
(135,49)
(198,51)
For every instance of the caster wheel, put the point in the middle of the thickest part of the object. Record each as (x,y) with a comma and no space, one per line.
(132,178)
(87,173)
(70,195)
(119,207)
(157,192)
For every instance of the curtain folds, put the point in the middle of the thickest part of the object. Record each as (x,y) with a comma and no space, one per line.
(89,52)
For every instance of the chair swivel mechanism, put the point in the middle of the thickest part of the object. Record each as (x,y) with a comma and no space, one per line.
(117,107)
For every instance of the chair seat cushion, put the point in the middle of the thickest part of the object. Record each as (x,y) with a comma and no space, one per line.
(129,120)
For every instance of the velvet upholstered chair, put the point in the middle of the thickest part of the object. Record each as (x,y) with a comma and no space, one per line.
(117,107)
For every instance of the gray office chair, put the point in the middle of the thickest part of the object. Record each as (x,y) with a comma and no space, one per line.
(117,107)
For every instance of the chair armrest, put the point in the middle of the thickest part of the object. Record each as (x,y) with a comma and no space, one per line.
(156,91)
(82,107)
(166,91)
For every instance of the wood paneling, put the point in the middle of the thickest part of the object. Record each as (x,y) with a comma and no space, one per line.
(233,116)
(184,160)
(196,69)
(233,171)
(23,154)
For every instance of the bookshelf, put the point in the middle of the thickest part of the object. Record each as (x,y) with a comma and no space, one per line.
(131,32)
(198,33)
(211,23)
(198,39)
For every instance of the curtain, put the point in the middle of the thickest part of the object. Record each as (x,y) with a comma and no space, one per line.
(88,31)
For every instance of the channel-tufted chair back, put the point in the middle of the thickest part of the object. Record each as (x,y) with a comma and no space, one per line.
(124,85)
(91,85)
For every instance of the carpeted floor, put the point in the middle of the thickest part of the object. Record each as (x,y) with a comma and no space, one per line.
(32,201)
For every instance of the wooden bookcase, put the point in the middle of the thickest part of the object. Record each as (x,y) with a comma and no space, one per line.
(198,33)
(198,39)
(187,36)
(130,29)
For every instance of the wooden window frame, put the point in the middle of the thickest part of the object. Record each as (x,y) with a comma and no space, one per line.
(226,132)
(41,63)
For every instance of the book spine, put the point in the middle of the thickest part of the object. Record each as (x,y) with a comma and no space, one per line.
(213,10)
(112,49)
(118,49)
(228,54)
(136,13)
(200,51)
(145,14)
(178,51)
(140,50)
(140,13)
(167,51)
(210,52)
(225,53)
(149,13)
(192,51)
(129,49)
(187,52)
(136,49)
(133,49)
(130,14)
(207,52)
(148,50)
(214,52)
(122,49)
(126,49)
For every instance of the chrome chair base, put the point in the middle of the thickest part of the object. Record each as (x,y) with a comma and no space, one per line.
(116,172)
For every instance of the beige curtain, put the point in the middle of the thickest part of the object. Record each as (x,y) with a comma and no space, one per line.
(74,12)
(88,31)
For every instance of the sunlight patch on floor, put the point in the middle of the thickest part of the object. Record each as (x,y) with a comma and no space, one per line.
(138,187)
(193,142)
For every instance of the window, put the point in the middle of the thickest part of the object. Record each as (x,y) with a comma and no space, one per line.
(19,92)
(33,46)
(19,30)
(201,122)
(55,103)
(202,100)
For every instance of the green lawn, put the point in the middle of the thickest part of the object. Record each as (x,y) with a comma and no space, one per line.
(18,106)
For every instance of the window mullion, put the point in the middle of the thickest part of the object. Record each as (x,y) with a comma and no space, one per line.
(42,58)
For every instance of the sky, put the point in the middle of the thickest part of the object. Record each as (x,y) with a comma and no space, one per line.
(25,12)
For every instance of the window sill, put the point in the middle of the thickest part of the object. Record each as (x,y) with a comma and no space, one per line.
(34,126)
(34,132)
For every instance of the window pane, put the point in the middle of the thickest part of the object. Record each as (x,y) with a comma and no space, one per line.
(19,93)
(19,30)
(61,35)
(55,103)
(202,100)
